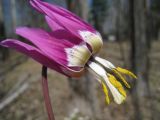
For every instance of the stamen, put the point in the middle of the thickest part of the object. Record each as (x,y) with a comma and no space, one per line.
(121,78)
(101,73)
(111,69)
(127,72)
(117,84)
(118,98)
(104,62)
(105,90)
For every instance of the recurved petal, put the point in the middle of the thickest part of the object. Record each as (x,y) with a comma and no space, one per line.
(41,57)
(45,42)
(30,51)
(62,16)
(53,24)
(55,47)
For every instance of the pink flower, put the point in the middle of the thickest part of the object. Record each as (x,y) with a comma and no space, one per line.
(70,48)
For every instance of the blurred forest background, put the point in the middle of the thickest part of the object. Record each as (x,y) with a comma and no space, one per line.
(131,33)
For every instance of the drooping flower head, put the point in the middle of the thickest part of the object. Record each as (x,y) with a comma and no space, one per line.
(70,48)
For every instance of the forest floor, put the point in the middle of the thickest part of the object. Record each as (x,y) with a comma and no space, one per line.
(30,104)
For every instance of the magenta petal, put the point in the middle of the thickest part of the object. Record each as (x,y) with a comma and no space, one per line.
(61,33)
(35,6)
(52,24)
(50,46)
(32,52)
(40,57)
(63,17)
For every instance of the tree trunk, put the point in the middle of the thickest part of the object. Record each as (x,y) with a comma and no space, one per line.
(8,14)
(140,60)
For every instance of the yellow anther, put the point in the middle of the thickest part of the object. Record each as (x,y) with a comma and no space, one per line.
(105,90)
(127,72)
(117,84)
(121,77)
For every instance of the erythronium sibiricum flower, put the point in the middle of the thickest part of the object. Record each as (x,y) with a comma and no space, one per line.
(70,48)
